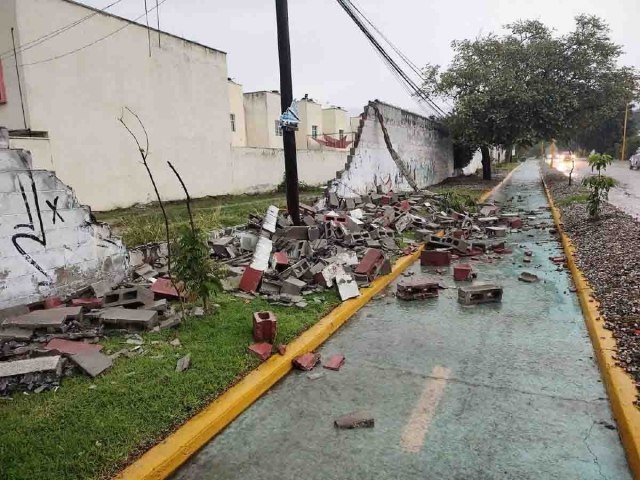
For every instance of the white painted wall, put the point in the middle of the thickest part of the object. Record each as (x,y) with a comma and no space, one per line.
(262,169)
(262,110)
(63,251)
(236,108)
(180,93)
(426,152)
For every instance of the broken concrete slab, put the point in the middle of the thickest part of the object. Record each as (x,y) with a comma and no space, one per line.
(71,348)
(347,286)
(358,419)
(93,363)
(126,318)
(52,364)
(15,333)
(53,318)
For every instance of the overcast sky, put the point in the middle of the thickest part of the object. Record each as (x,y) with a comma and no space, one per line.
(333,61)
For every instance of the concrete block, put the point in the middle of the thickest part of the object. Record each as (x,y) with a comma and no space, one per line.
(292,286)
(297,232)
(270,287)
(158,306)
(498,232)
(127,318)
(15,333)
(248,241)
(417,289)
(53,318)
(219,246)
(270,219)
(100,289)
(389,244)
(371,264)
(475,294)
(386,267)
(462,272)
(265,326)
(93,363)
(136,296)
(88,303)
(164,288)
(13,312)
(51,364)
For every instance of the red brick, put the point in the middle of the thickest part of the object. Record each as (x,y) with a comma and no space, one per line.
(307,361)
(52,302)
(462,272)
(71,348)
(386,200)
(335,362)
(557,259)
(262,350)
(405,206)
(87,302)
(528,254)
(163,287)
(514,222)
(281,260)
(371,263)
(250,280)
(265,326)
(435,258)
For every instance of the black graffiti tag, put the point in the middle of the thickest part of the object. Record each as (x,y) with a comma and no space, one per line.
(54,209)
(42,240)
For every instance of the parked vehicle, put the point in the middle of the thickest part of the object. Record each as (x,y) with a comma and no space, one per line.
(634,161)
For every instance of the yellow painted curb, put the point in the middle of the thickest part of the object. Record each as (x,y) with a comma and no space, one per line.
(163,459)
(620,387)
(486,195)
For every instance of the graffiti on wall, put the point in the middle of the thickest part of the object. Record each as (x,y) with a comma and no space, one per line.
(37,232)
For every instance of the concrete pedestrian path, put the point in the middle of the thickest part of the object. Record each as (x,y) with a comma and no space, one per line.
(497,391)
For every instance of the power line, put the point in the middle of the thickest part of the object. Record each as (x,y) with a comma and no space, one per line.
(129,23)
(54,33)
(416,92)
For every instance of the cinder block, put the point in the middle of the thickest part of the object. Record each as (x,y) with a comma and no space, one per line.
(250,280)
(475,294)
(371,264)
(265,326)
(127,296)
(51,319)
(462,272)
(417,289)
(129,318)
(292,286)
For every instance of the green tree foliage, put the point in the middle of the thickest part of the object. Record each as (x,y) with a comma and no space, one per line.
(599,185)
(193,265)
(531,84)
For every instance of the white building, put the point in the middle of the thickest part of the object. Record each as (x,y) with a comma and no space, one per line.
(76,97)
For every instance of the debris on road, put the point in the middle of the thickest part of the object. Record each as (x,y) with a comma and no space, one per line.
(335,362)
(476,294)
(417,289)
(528,277)
(261,350)
(358,419)
(306,361)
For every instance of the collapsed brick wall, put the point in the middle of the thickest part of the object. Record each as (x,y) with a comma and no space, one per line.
(423,146)
(49,244)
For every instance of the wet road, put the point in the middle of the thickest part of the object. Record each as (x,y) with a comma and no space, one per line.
(626,194)
(496,391)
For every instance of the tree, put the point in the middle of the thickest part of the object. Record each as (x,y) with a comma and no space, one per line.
(530,85)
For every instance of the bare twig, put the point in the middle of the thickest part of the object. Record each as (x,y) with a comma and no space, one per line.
(144,153)
(184,187)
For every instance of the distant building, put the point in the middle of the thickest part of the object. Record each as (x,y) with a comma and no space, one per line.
(262,113)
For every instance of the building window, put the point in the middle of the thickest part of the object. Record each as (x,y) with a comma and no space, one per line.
(278,129)
(233,122)
(341,133)
(314,131)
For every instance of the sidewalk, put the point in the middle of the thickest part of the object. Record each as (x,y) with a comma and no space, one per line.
(507,391)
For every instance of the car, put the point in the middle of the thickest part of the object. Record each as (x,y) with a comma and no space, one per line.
(634,161)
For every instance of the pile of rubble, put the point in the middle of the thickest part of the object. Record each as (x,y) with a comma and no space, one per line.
(42,342)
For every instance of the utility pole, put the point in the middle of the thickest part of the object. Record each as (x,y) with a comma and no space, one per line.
(542,149)
(286,98)
(624,134)
(553,151)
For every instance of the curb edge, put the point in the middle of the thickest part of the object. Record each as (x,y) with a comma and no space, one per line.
(620,387)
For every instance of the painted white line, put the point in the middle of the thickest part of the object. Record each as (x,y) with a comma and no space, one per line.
(415,430)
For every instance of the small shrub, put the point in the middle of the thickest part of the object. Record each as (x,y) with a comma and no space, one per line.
(598,185)
(193,266)
(458,202)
